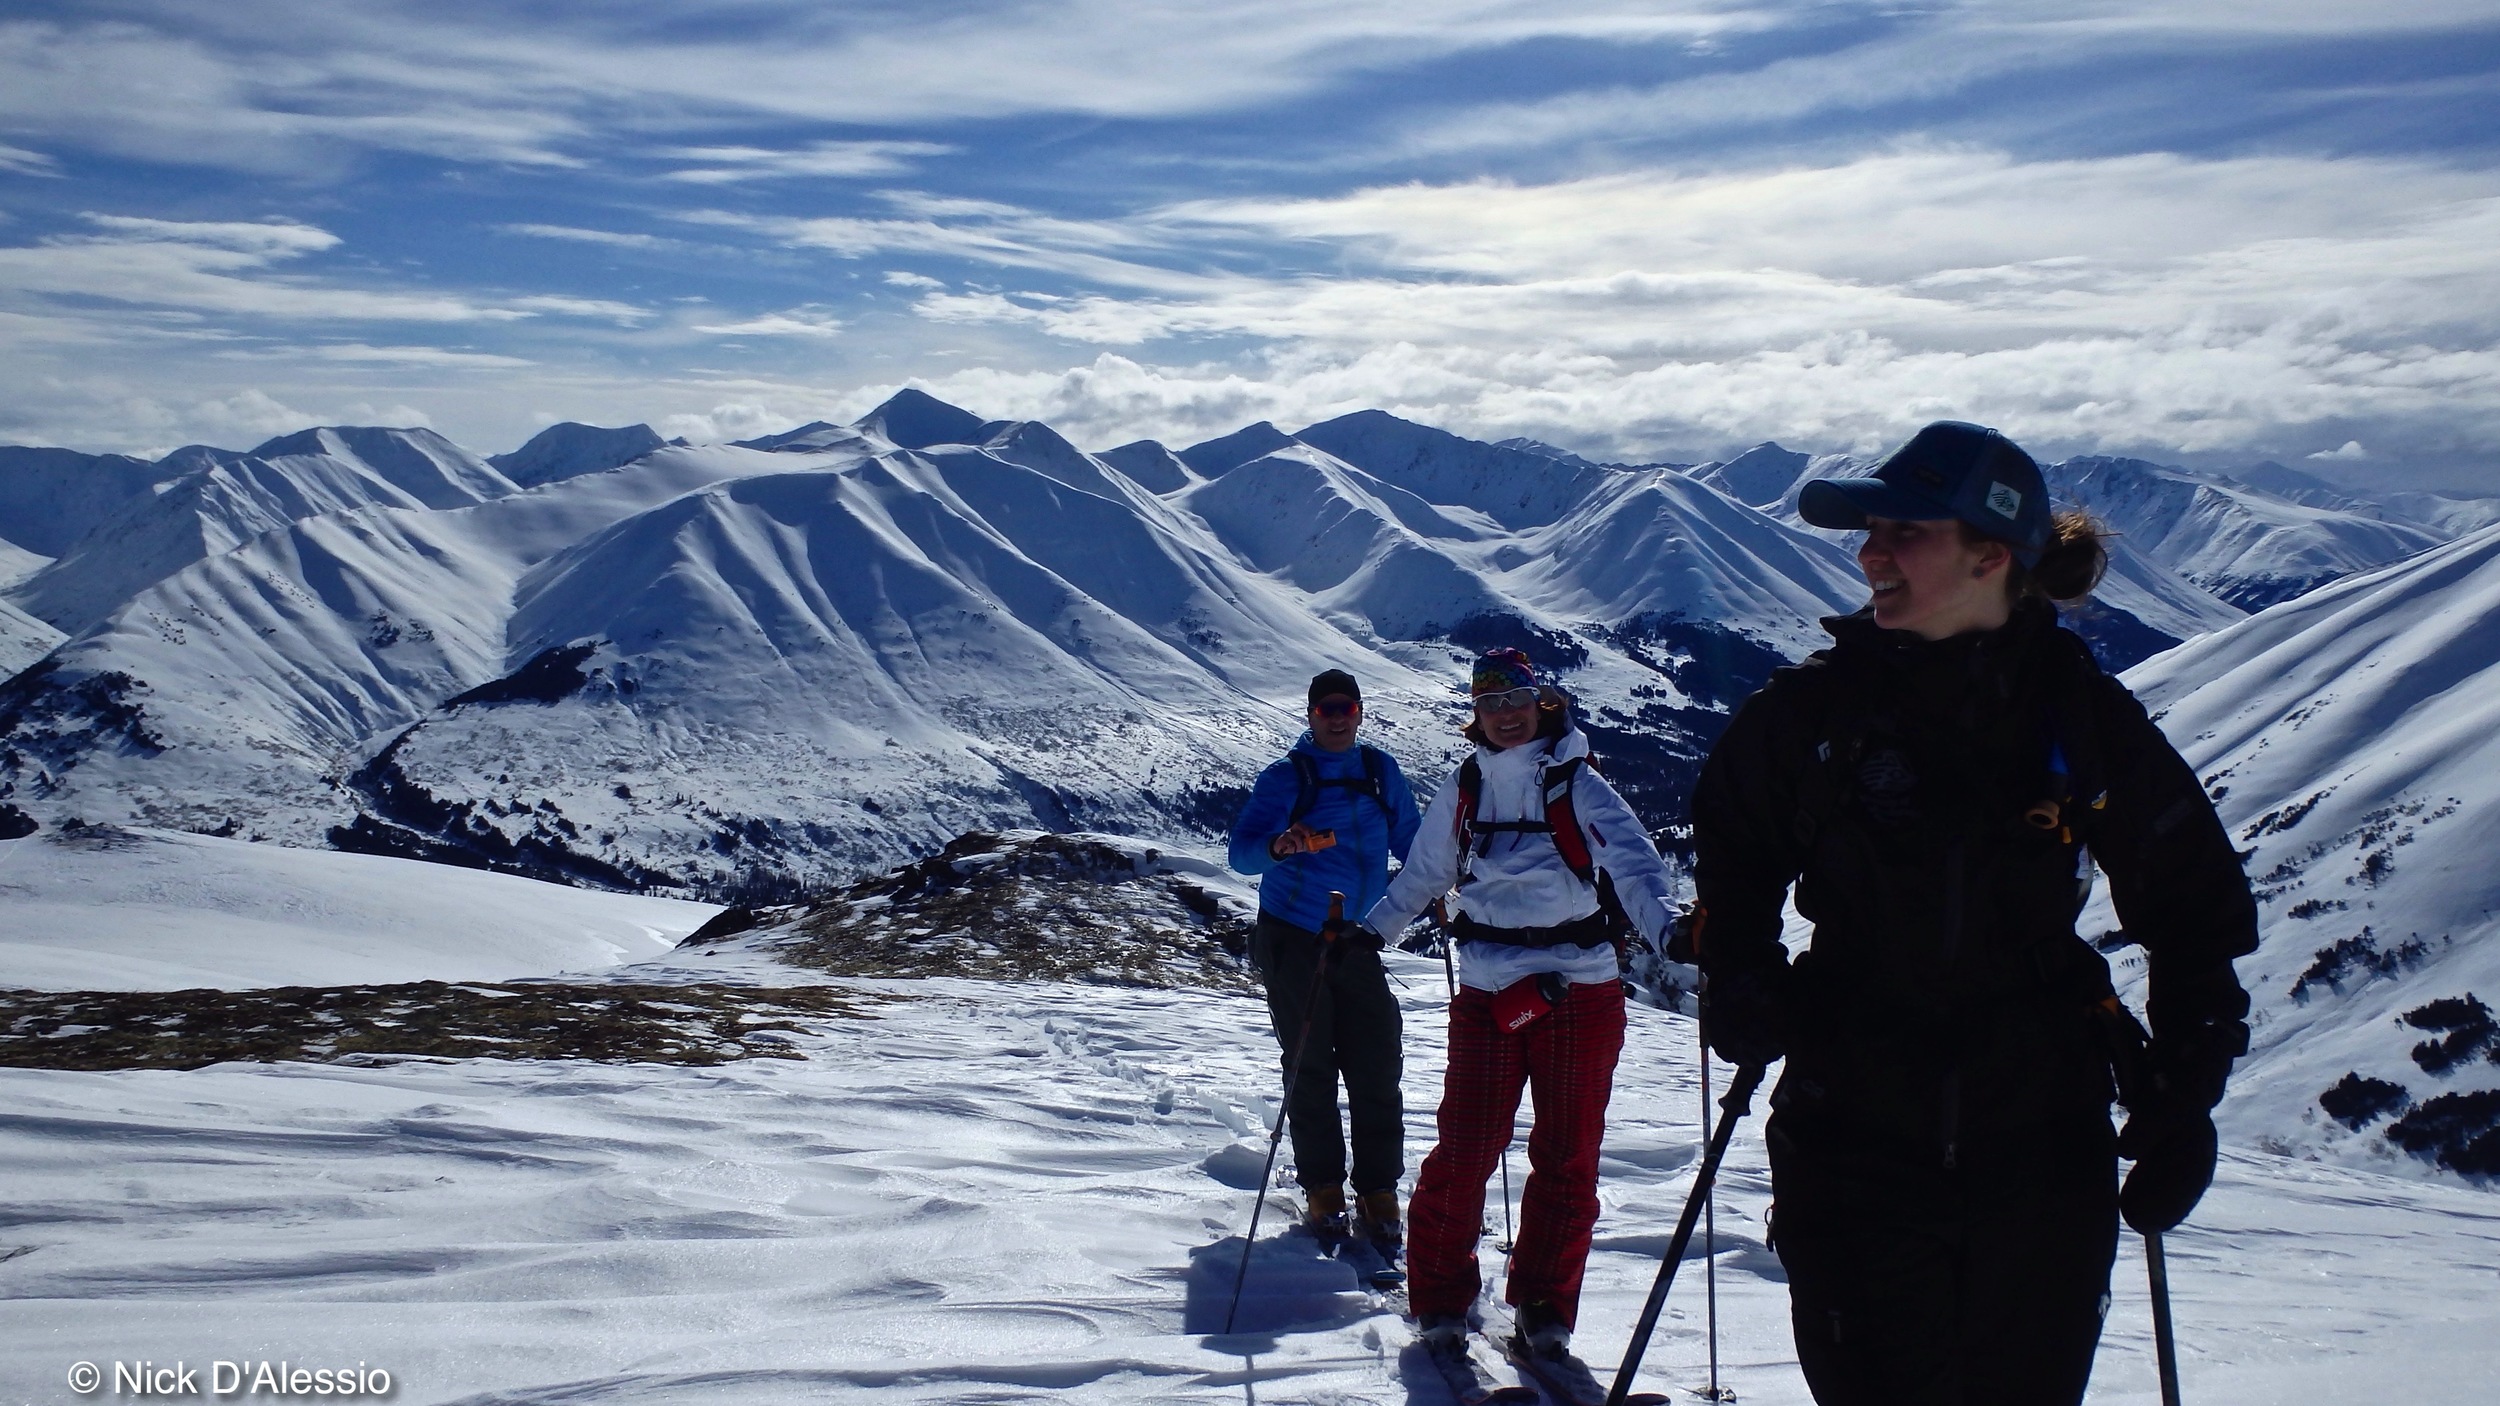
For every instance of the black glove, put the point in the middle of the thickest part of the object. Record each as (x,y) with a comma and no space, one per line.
(1363,937)
(2170,1129)
(1745,1014)
(2174,1154)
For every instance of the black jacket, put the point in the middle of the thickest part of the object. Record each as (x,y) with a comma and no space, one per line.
(1945,1008)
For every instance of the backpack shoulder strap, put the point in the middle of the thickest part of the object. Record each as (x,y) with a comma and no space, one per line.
(1376,774)
(1840,743)
(1563,819)
(1470,784)
(1306,787)
(2074,733)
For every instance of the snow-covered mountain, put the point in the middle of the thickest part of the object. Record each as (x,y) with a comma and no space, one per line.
(2250,547)
(810,654)
(208,501)
(50,498)
(2351,739)
(569,450)
(2444,513)
(793,659)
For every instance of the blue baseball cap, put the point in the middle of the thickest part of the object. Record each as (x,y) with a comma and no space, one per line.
(1948,470)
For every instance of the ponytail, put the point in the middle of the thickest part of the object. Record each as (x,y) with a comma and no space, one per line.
(2071,565)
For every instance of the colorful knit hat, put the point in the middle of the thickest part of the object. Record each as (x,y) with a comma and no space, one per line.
(1500,671)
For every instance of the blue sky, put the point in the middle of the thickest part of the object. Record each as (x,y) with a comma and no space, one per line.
(2206,232)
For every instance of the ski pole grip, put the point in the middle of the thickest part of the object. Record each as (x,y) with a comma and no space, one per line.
(1328,931)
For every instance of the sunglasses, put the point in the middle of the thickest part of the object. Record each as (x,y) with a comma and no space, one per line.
(1336,707)
(1504,701)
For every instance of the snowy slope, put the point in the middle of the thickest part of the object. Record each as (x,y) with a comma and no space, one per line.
(49,498)
(999,1192)
(147,910)
(23,639)
(17,563)
(2352,740)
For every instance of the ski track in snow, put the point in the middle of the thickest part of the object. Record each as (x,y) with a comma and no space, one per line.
(997,1193)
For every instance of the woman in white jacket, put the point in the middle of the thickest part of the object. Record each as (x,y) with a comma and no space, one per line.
(1540,1002)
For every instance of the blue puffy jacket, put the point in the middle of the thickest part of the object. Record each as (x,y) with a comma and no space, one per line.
(1295,888)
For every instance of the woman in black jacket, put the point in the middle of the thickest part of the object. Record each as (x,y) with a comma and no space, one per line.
(1943,1167)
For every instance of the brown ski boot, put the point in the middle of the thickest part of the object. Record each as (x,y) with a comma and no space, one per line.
(1324,1213)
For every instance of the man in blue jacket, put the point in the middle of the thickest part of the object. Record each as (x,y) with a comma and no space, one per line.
(1331,815)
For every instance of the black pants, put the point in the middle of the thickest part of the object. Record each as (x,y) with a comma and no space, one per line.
(1910,1284)
(1356,1034)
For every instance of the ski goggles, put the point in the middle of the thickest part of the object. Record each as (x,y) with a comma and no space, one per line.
(1336,707)
(1506,700)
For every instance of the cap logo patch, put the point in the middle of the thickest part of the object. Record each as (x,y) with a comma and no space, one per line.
(2004,501)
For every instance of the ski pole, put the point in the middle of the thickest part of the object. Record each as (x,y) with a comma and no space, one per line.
(1293,1075)
(1449,961)
(2165,1348)
(1710,1226)
(1735,1106)
(1510,1242)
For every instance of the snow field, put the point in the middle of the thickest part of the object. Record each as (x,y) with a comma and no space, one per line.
(994,1193)
(156,910)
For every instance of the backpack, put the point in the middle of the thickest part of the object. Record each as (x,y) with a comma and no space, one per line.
(2068,745)
(1374,782)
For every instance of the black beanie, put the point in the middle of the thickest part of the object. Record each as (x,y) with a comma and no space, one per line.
(1333,682)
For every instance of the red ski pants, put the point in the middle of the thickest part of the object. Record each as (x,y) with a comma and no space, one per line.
(1567,1057)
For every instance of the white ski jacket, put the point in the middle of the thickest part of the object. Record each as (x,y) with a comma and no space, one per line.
(1521,880)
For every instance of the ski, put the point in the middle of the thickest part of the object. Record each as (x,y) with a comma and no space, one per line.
(1470,1384)
(1564,1377)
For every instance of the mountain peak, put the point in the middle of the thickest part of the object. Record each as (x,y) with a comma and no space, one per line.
(915,419)
(1225,453)
(1762,474)
(1148,463)
(359,441)
(569,450)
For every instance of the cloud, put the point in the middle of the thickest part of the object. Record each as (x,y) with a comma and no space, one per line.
(2141,302)
(728,421)
(191,272)
(292,85)
(1118,253)
(20,161)
(797,322)
(2352,450)
(359,352)
(261,88)
(593,236)
(211,267)
(622,313)
(899,278)
(722,165)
